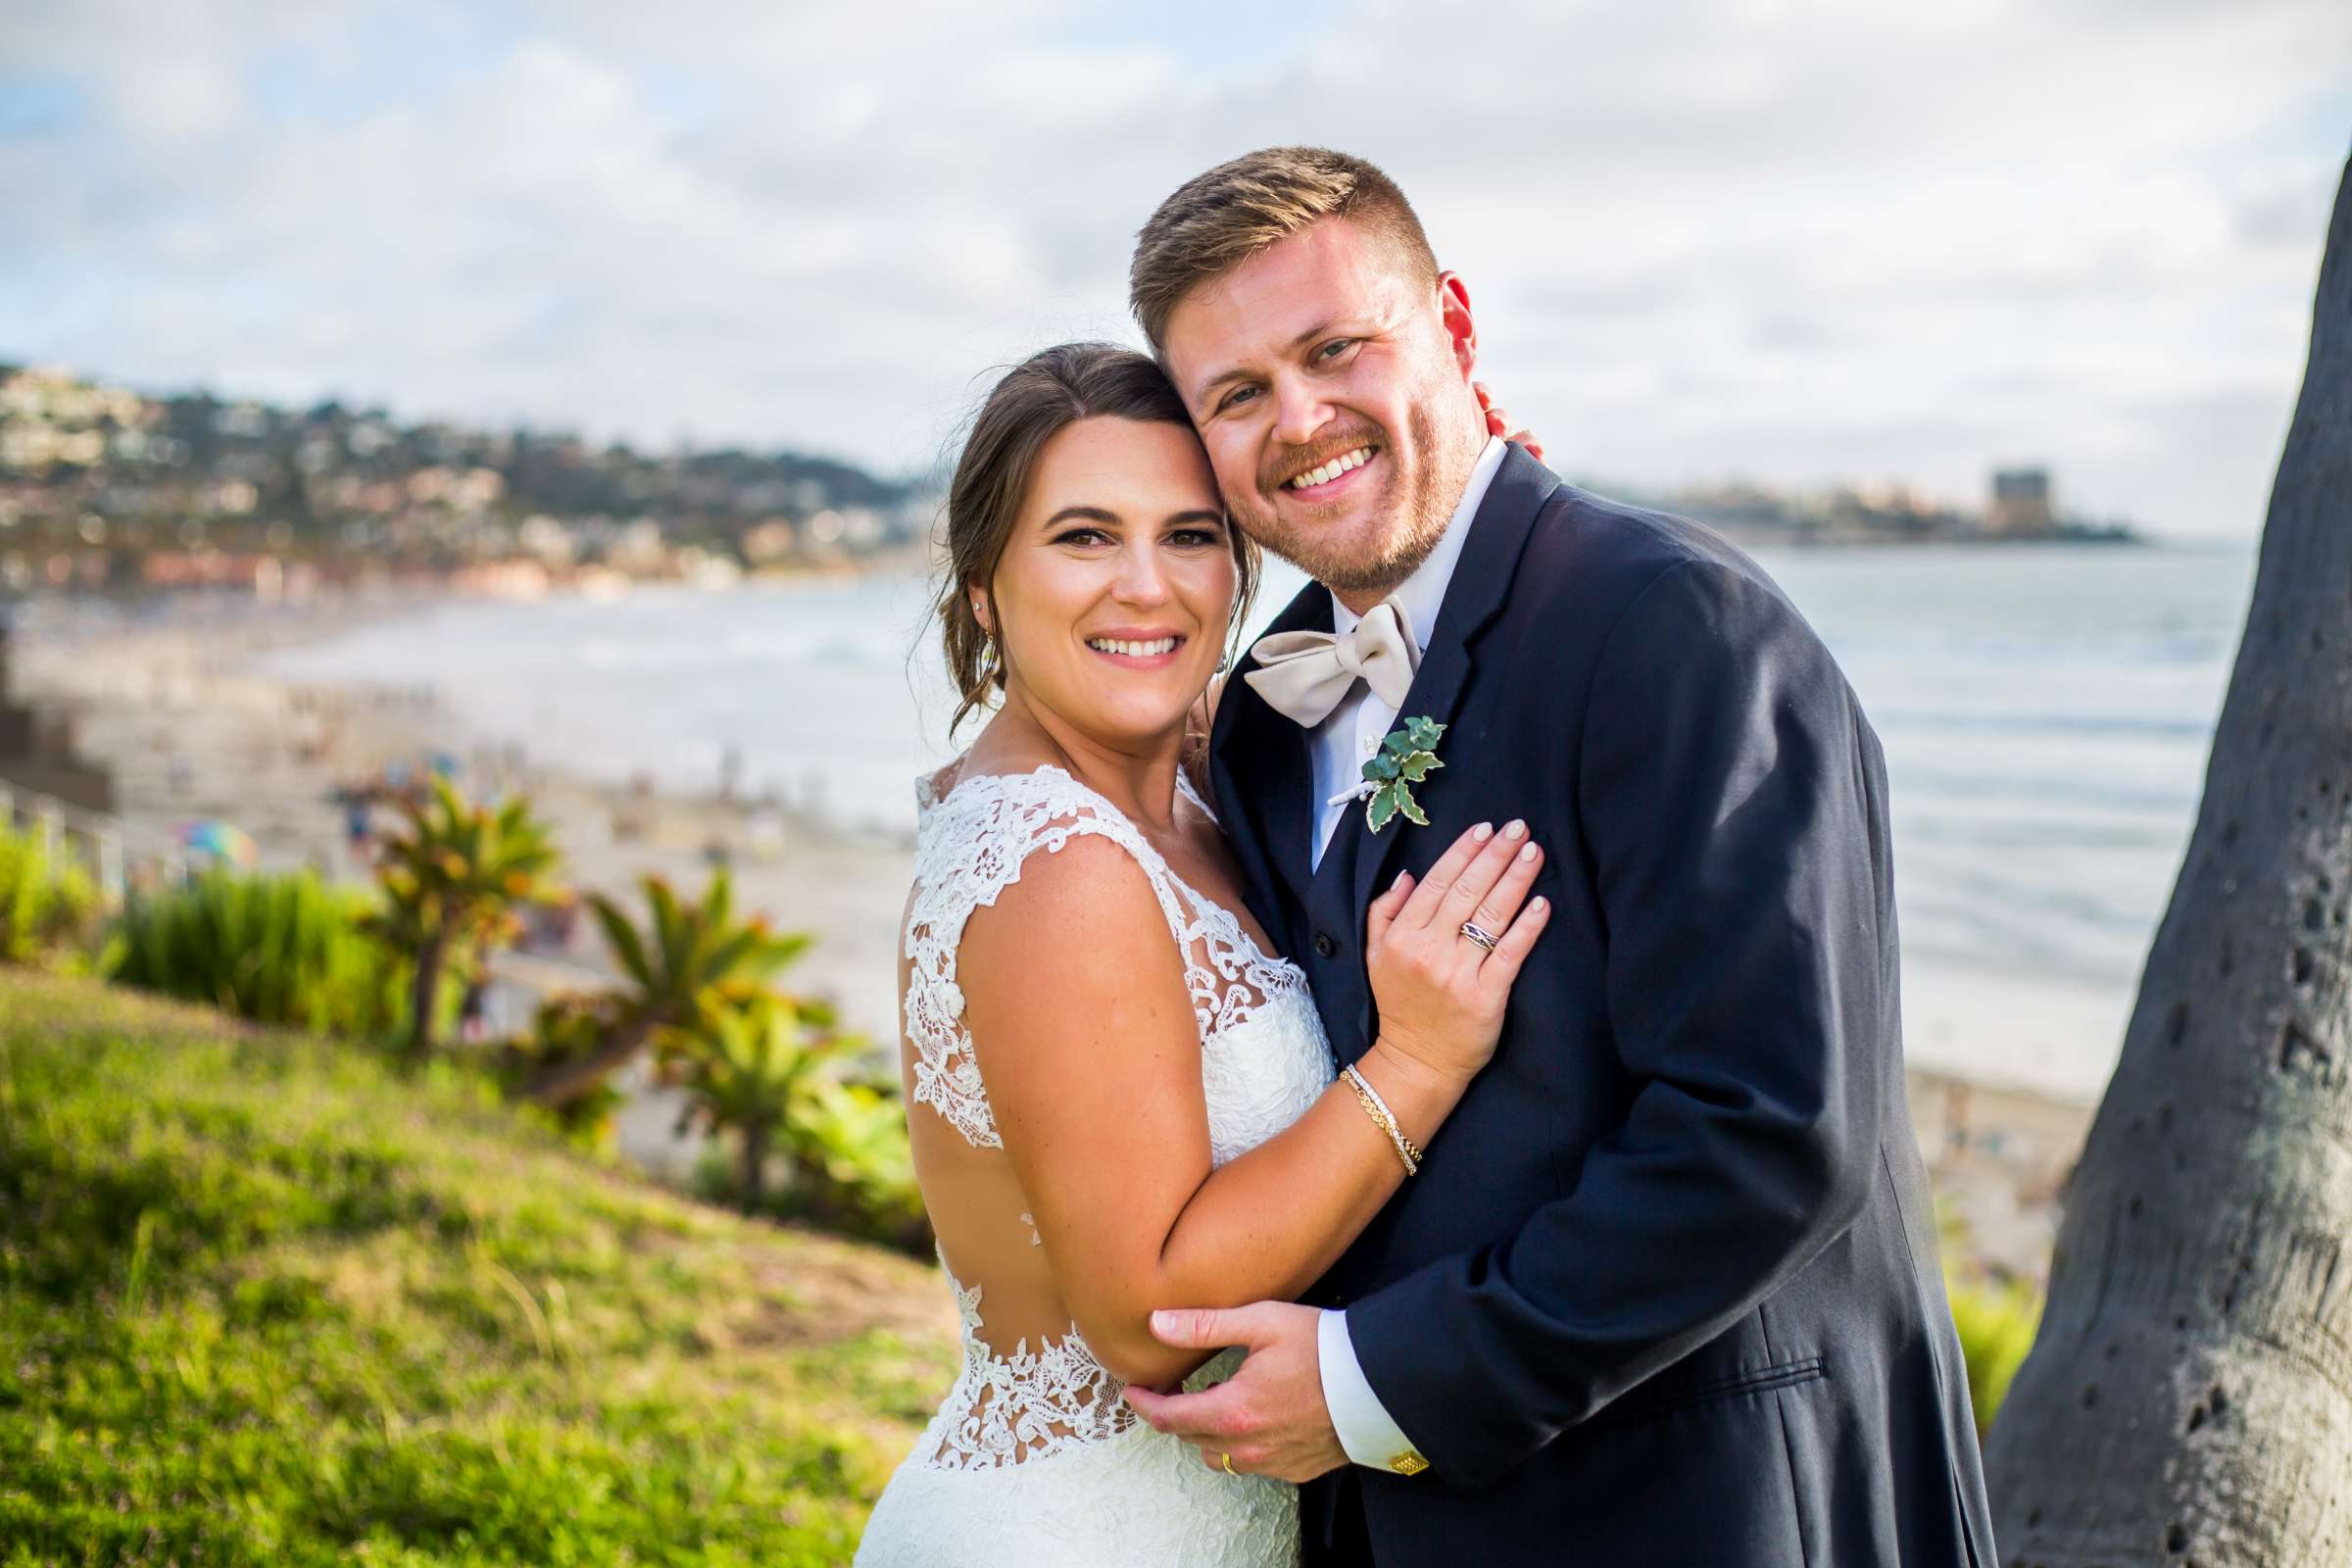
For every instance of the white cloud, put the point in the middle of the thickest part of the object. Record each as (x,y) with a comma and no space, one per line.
(1796,241)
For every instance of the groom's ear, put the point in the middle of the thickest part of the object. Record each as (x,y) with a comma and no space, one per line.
(1453,312)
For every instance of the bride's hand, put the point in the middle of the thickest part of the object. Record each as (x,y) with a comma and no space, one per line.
(1440,995)
(1499,422)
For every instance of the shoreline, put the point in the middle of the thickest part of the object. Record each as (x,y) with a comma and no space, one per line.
(175,704)
(176,707)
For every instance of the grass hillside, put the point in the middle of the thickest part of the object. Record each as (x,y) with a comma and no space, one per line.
(264,1302)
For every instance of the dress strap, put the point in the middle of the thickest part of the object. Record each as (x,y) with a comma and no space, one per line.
(971,845)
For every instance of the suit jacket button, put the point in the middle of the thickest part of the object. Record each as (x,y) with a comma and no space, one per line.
(1324,946)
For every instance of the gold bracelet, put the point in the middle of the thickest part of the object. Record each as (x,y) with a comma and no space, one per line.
(1378,1110)
(1388,1117)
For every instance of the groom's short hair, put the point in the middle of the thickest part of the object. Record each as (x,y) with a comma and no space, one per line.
(1217,221)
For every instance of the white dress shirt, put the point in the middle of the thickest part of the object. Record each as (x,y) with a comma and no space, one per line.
(1338,746)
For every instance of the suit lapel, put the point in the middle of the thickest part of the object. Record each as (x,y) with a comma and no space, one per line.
(1475,595)
(1260,768)
(1264,780)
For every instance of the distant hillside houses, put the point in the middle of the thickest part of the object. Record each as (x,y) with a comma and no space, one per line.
(105,488)
(2019,506)
(101,486)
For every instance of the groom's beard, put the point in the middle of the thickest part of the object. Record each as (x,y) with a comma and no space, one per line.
(1417,522)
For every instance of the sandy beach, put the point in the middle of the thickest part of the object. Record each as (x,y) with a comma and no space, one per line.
(192,732)
(174,706)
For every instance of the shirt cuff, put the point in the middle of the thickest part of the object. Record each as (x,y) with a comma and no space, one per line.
(1366,1430)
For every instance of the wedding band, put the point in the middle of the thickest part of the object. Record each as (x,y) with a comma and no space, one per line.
(1478,935)
(1230,1470)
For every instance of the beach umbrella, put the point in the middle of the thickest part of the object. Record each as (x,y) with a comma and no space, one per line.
(224,841)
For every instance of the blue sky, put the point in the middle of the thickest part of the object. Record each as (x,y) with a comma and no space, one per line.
(1706,240)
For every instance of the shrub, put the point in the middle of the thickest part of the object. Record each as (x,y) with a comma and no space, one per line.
(773,1069)
(848,1169)
(854,1168)
(281,949)
(1997,1325)
(566,1029)
(48,909)
(745,1067)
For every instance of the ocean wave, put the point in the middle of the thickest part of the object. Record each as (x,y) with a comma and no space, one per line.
(2108,794)
(2196,727)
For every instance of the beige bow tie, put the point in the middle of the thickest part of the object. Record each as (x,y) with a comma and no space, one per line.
(1305,674)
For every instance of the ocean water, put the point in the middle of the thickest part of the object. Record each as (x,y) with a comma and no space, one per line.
(2045,712)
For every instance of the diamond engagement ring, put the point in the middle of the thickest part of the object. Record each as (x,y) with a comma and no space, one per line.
(1475,934)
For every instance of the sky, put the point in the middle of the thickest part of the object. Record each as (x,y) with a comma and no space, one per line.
(1703,239)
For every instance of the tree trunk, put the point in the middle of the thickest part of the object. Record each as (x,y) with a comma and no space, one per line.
(568,1080)
(2189,1396)
(425,996)
(758,1134)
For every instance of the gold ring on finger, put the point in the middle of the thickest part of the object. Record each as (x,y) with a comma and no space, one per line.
(1230,1470)
(1478,935)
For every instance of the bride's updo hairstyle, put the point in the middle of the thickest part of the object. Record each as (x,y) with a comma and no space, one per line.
(1051,389)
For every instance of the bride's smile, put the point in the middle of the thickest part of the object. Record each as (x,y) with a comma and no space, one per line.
(1137,649)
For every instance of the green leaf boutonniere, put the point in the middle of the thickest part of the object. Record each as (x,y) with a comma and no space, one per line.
(1405,758)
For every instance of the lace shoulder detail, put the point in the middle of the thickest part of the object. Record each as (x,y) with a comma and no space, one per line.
(971,846)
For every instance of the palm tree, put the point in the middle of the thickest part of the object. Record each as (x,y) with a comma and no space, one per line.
(451,882)
(693,961)
(2188,1398)
(748,1067)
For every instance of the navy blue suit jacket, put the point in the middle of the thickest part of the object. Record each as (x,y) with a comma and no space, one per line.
(1666,1290)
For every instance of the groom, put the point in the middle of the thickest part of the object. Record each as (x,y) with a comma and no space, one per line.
(1665,1289)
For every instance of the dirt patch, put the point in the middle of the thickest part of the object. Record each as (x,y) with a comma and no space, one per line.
(809,1290)
(833,1289)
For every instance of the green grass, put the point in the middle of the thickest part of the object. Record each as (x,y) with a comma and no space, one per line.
(262,1302)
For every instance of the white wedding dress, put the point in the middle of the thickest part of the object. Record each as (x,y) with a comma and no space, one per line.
(1033,1459)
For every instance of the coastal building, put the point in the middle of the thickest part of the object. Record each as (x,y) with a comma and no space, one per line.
(257,573)
(2021,502)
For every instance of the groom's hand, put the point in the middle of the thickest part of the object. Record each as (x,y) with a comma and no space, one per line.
(1270,1415)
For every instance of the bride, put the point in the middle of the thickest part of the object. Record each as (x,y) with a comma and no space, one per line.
(1119,1100)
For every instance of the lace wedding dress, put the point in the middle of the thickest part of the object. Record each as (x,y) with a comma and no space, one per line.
(1034,1458)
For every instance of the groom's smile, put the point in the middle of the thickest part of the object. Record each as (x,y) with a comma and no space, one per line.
(1323,480)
